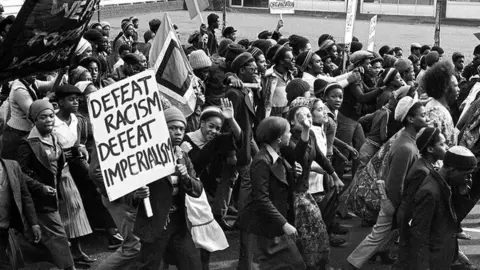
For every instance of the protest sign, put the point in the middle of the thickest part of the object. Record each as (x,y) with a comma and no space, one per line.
(131,134)
(371,35)
(281,6)
(349,22)
(44,36)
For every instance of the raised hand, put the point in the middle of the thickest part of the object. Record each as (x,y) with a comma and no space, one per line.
(304,121)
(227,108)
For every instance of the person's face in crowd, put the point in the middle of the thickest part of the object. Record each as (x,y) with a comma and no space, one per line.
(177,131)
(136,24)
(460,64)
(216,24)
(409,75)
(232,36)
(366,64)
(129,31)
(376,68)
(123,53)
(316,64)
(202,73)
(416,52)
(87,53)
(69,103)
(397,81)
(416,67)
(134,69)
(93,68)
(205,38)
(302,113)
(419,118)
(211,127)
(289,61)
(45,121)
(453,91)
(319,113)
(399,54)
(103,46)
(249,72)
(334,99)
(334,52)
(439,149)
(284,140)
(144,62)
(261,64)
(459,178)
(106,31)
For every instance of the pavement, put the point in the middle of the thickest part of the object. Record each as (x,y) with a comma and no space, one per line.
(454,38)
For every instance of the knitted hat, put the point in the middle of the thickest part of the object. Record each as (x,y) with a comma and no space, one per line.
(296,88)
(355,46)
(264,34)
(256,52)
(432,58)
(132,59)
(241,60)
(425,136)
(199,59)
(94,36)
(233,50)
(359,56)
(222,47)
(403,65)
(125,25)
(39,106)
(174,114)
(211,111)
(460,158)
(82,46)
(319,86)
(403,107)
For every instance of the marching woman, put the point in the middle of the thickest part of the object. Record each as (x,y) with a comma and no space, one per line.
(71,208)
(313,240)
(270,215)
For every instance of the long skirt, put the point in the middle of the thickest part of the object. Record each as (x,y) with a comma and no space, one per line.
(313,242)
(71,208)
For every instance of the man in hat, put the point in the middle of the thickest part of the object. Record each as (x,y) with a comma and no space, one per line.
(127,37)
(401,156)
(415,51)
(433,225)
(230,32)
(201,64)
(167,228)
(405,68)
(243,102)
(133,65)
(213,24)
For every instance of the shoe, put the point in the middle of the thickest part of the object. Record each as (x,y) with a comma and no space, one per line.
(232,211)
(84,260)
(339,229)
(463,235)
(384,256)
(223,224)
(336,241)
(115,241)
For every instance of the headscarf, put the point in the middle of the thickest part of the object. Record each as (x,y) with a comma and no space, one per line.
(76,73)
(307,60)
(82,46)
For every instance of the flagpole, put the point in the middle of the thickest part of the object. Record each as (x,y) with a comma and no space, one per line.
(197,8)
(224,14)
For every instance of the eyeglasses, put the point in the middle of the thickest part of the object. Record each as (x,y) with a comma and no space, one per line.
(253,69)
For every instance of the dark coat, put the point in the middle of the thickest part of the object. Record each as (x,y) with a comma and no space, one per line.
(23,215)
(149,229)
(34,162)
(245,117)
(433,227)
(272,190)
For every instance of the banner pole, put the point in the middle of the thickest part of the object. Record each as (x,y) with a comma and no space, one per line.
(281,16)
(148,207)
(224,14)
(197,8)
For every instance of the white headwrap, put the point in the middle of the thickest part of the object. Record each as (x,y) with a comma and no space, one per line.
(82,46)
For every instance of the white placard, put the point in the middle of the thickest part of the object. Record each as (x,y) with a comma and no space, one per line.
(350,21)
(131,134)
(281,6)
(371,35)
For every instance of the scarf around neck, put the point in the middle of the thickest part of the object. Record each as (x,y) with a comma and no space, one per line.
(197,138)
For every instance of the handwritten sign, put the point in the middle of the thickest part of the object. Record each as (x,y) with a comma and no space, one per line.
(281,6)
(350,21)
(131,134)
(44,36)
(371,35)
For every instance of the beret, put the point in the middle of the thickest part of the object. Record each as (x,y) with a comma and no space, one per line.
(211,111)
(241,60)
(67,89)
(431,58)
(403,65)
(232,51)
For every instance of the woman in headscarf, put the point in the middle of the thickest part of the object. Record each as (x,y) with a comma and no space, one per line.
(79,74)
(39,149)
(84,49)
(71,208)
